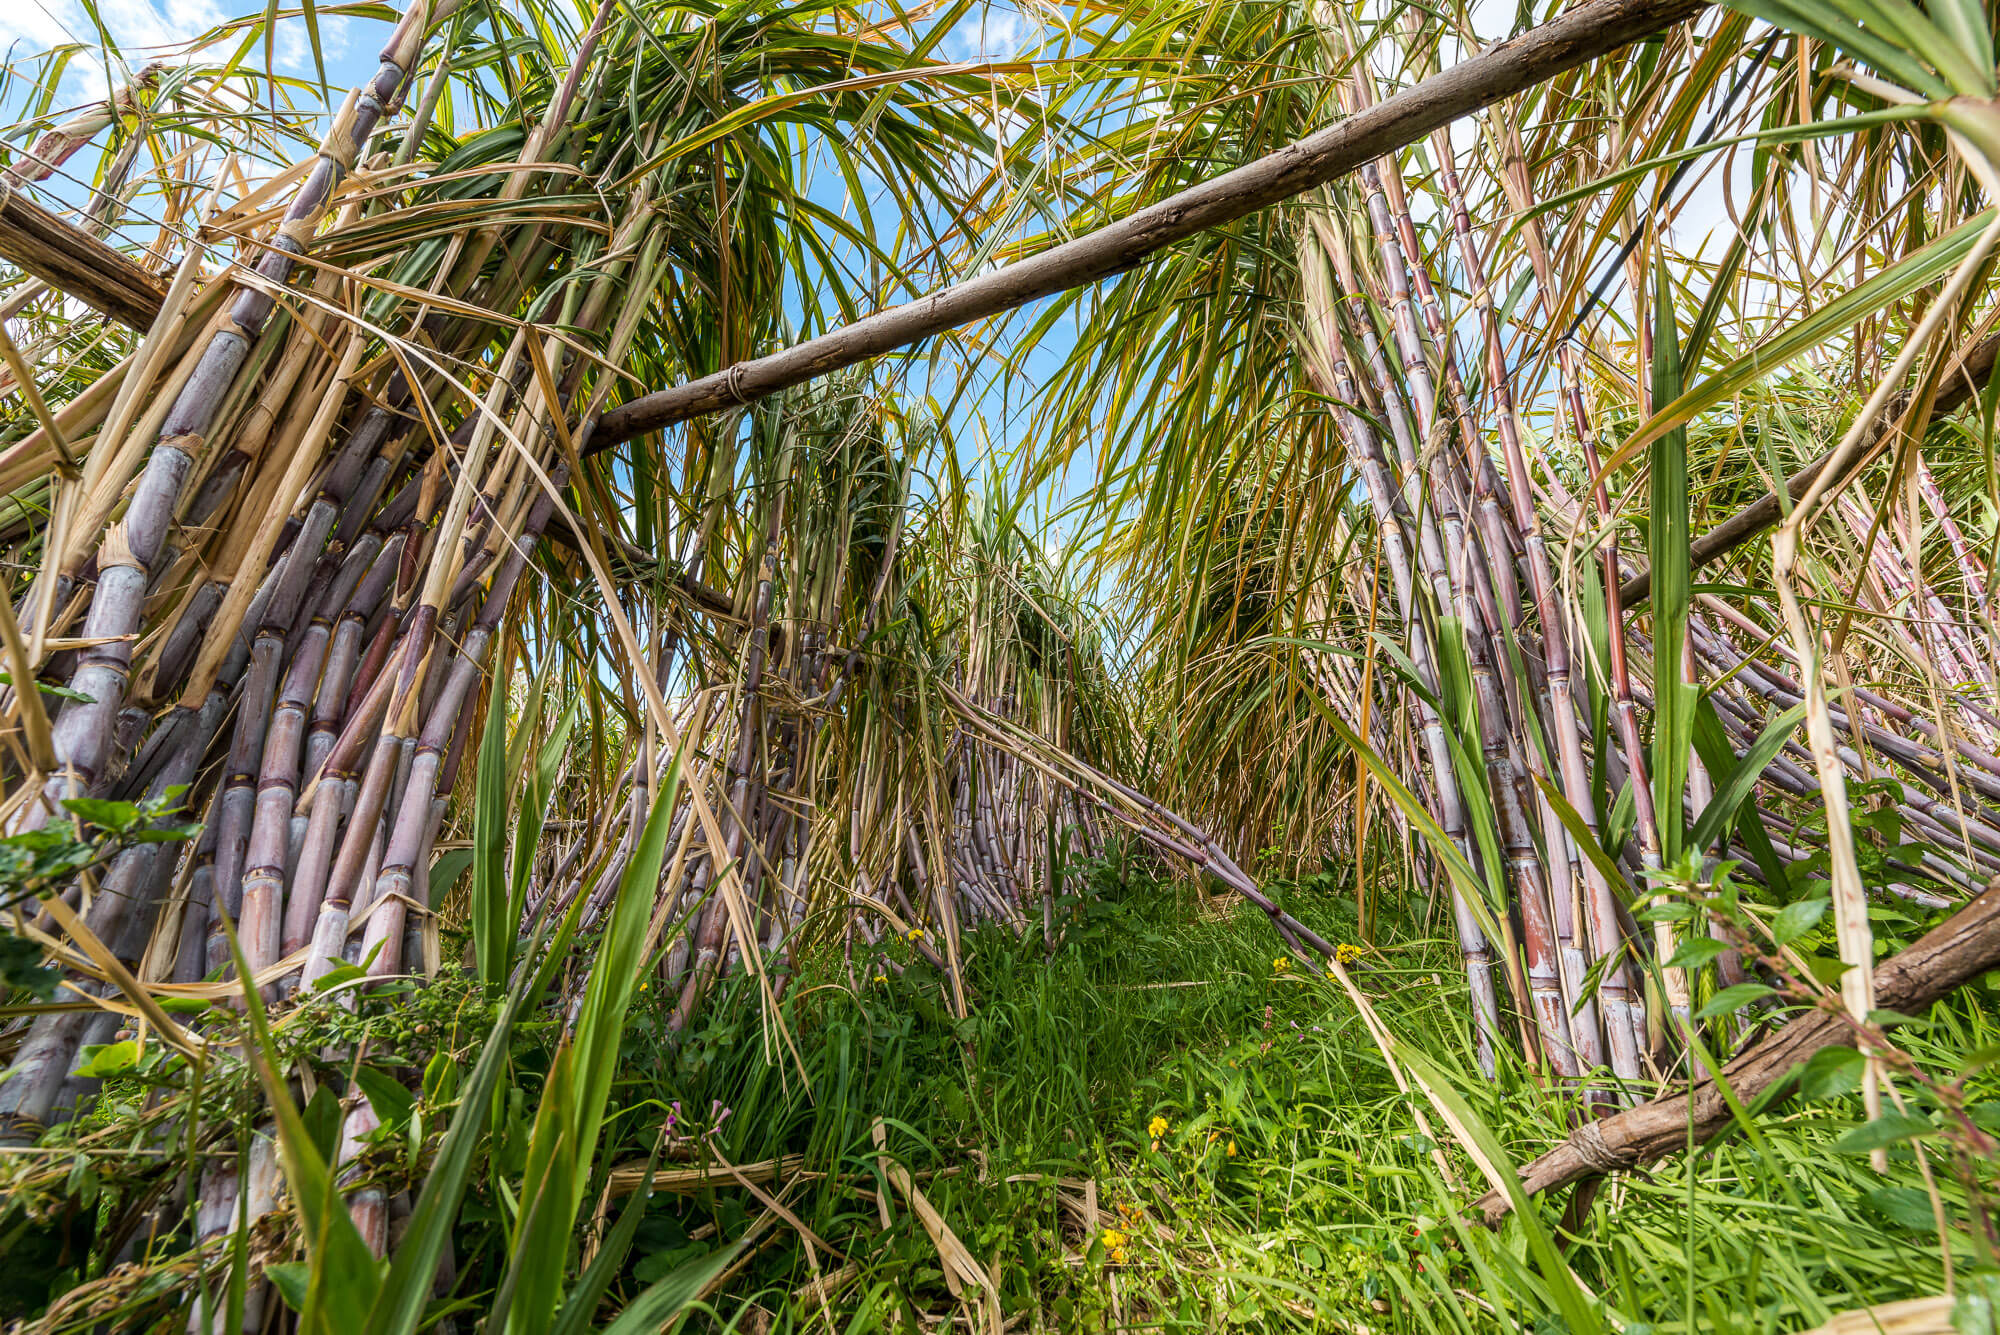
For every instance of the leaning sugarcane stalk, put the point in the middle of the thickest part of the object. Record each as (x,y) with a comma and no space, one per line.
(1615,991)
(129,551)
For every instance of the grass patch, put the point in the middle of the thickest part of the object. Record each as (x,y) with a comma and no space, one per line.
(1158,1127)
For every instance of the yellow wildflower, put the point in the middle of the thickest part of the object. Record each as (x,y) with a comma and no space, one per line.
(916,934)
(881,977)
(1280,964)
(1157,1127)
(1118,1256)
(1114,1239)
(1231,1151)
(1347,952)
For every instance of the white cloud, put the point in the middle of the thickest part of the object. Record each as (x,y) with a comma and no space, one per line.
(141,31)
(990,32)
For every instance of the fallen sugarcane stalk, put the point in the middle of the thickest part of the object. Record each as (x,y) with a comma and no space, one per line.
(1953,953)
(75,263)
(1581,34)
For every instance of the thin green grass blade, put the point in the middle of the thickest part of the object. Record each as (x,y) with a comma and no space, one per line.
(1579,1313)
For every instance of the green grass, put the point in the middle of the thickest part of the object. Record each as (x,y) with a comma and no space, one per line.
(1328,1215)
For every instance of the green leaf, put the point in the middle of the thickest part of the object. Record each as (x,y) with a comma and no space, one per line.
(1577,1309)
(107,1059)
(564,1141)
(533,812)
(1732,999)
(392,1103)
(340,975)
(581,1304)
(399,1306)
(1697,951)
(1898,282)
(114,816)
(291,1279)
(492,935)
(345,1275)
(1667,545)
(1976,1311)
(1795,920)
(1831,1073)
(1886,1130)
(1905,1207)
(1733,791)
(21,967)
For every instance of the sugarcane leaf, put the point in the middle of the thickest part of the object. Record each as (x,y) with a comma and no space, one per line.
(1712,745)
(564,1140)
(1896,283)
(551,1189)
(309,10)
(580,1305)
(445,871)
(615,973)
(532,815)
(1743,776)
(345,1275)
(1578,1312)
(1779,134)
(1667,543)
(1585,838)
(399,1307)
(1464,877)
(493,934)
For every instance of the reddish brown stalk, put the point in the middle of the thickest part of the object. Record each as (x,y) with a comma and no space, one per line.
(1615,989)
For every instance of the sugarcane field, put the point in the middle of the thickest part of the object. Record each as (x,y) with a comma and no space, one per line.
(999,666)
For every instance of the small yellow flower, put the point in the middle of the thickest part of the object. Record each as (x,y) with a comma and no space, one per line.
(1280,964)
(1118,1256)
(1114,1239)
(1157,1127)
(1347,952)
(881,977)
(916,934)
(1231,1151)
